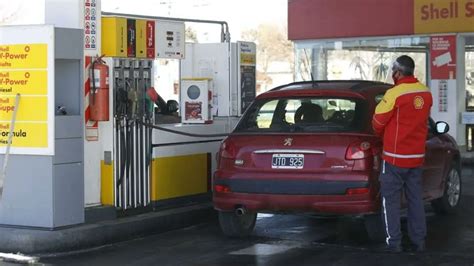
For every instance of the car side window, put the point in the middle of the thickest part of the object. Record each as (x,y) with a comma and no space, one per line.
(265,114)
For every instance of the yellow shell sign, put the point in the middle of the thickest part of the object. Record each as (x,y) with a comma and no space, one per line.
(31,56)
(23,70)
(27,64)
(440,16)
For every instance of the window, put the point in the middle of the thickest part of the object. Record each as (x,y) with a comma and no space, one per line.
(322,114)
(368,59)
(469,73)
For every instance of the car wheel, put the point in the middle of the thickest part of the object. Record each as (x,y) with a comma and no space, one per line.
(234,225)
(449,202)
(374,227)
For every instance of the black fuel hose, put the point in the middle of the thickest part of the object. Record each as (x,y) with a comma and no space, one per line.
(181,132)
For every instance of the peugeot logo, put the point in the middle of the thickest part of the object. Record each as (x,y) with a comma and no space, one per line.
(287,142)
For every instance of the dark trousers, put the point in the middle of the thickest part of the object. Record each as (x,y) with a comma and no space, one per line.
(392,180)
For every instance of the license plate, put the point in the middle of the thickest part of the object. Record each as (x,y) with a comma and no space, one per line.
(288,161)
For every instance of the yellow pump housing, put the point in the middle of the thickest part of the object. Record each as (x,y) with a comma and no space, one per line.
(114,37)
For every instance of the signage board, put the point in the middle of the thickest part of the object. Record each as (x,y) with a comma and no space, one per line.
(27,68)
(247,74)
(435,16)
(170,39)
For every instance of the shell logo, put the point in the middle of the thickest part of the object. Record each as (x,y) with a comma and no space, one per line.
(418,102)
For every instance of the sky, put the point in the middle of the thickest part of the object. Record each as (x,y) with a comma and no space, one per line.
(239,14)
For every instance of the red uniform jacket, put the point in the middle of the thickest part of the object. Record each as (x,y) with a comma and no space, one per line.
(401,118)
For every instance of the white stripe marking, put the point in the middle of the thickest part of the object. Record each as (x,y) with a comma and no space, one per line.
(264,215)
(404,156)
(18,258)
(264,249)
(396,133)
(386,221)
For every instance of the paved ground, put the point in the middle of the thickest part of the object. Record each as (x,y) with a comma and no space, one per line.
(290,240)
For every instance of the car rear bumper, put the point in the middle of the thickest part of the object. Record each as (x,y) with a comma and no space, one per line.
(322,204)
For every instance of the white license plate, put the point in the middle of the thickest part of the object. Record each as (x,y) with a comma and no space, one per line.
(288,161)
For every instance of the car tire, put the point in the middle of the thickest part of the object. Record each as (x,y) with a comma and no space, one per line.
(449,202)
(374,227)
(234,225)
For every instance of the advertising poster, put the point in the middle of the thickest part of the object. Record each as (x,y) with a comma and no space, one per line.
(131,38)
(150,39)
(27,69)
(443,71)
(443,79)
(443,57)
(193,110)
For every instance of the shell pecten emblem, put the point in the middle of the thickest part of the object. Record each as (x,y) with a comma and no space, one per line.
(418,102)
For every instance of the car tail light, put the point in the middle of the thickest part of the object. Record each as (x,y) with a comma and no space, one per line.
(221,189)
(357,191)
(359,150)
(228,150)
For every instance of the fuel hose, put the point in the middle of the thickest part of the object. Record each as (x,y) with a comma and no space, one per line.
(181,132)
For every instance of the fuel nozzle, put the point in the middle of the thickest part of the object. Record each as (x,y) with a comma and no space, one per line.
(157,99)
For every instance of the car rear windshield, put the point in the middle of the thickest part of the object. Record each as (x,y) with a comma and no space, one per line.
(322,114)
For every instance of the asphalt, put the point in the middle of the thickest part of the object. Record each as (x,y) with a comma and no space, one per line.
(89,235)
(289,240)
(85,236)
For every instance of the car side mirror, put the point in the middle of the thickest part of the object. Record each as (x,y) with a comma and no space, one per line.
(378,98)
(442,127)
(172,106)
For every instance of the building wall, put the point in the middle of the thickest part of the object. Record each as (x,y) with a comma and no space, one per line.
(324,19)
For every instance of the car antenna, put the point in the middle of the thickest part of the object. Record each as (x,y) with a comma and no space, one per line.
(313,82)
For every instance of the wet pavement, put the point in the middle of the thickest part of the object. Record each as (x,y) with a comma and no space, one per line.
(291,240)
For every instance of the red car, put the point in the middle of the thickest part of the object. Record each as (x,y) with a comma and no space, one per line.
(309,147)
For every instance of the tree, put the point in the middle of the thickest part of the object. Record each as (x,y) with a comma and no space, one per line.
(272,46)
(191,35)
(9,11)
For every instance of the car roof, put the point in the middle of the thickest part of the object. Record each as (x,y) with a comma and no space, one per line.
(347,88)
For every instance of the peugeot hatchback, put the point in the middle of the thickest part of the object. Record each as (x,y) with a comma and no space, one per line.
(309,147)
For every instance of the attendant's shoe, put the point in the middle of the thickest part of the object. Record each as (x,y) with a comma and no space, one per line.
(390,249)
(413,248)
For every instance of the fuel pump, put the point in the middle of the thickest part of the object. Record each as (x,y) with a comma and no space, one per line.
(132,139)
(99,96)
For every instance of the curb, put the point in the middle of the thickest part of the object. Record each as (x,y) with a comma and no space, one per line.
(85,236)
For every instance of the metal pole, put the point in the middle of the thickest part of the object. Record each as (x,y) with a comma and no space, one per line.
(9,142)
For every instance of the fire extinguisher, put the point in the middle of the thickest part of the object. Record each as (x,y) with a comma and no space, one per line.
(99,96)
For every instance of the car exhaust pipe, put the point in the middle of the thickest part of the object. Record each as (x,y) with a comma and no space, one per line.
(240,211)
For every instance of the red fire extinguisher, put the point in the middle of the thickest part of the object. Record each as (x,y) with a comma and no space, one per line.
(99,96)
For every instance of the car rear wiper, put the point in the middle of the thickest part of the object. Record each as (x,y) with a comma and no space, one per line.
(313,82)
